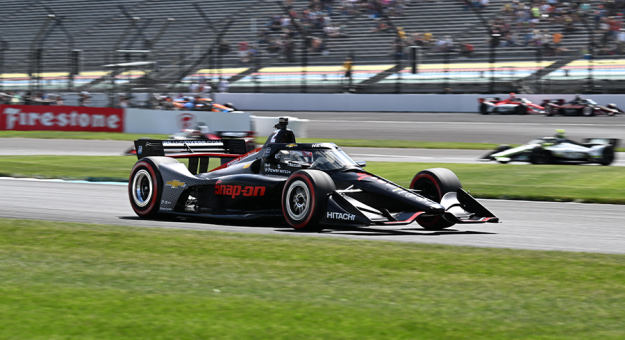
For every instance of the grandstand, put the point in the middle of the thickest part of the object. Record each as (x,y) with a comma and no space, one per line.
(99,27)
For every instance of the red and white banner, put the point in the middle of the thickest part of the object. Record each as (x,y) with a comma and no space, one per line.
(61,118)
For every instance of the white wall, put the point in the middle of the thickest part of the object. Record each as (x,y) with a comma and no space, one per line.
(381,102)
(168,122)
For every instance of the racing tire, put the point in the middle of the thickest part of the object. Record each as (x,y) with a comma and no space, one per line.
(587,111)
(538,155)
(145,186)
(549,111)
(521,109)
(434,184)
(483,109)
(304,199)
(607,156)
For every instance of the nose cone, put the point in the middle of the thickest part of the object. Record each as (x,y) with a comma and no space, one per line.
(436,209)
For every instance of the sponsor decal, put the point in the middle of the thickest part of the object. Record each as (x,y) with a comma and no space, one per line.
(176,184)
(247,165)
(341,216)
(186,121)
(317,145)
(237,160)
(237,190)
(294,165)
(165,202)
(268,152)
(61,118)
(277,171)
(291,145)
(140,149)
(176,143)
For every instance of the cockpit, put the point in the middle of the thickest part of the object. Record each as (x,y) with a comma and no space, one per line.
(321,159)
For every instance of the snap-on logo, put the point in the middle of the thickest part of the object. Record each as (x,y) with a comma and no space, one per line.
(236,190)
(186,121)
(341,216)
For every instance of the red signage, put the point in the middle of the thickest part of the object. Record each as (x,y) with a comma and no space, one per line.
(61,118)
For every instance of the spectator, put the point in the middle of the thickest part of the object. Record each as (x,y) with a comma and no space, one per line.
(223,85)
(85,99)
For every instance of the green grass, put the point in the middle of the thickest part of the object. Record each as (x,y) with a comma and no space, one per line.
(533,182)
(80,281)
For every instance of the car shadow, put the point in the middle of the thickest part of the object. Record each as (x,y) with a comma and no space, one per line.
(283,227)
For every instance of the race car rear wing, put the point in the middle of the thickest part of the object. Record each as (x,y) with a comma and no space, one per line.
(156,147)
(614,142)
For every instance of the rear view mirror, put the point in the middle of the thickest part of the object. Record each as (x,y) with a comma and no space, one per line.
(362,164)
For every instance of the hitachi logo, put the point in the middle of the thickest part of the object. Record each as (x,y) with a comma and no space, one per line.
(341,216)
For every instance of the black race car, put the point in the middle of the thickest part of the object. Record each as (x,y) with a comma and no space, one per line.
(308,185)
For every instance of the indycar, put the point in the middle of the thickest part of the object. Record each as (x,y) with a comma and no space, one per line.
(309,185)
(579,107)
(190,103)
(557,150)
(511,105)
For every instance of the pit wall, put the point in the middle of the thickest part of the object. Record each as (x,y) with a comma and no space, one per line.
(383,102)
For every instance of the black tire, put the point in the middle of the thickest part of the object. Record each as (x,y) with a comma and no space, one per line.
(521,109)
(304,199)
(549,111)
(539,155)
(607,156)
(587,111)
(483,109)
(145,186)
(434,184)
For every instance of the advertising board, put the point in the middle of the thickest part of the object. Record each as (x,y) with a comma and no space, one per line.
(61,118)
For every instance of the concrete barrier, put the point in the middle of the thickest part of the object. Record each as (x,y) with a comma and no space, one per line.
(168,122)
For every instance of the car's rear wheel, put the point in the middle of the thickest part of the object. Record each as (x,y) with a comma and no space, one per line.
(607,156)
(145,186)
(304,199)
(539,155)
(549,110)
(434,184)
(521,109)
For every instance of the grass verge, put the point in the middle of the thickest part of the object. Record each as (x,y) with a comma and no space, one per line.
(81,281)
(536,182)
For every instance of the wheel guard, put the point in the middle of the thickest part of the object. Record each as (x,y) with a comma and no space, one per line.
(460,207)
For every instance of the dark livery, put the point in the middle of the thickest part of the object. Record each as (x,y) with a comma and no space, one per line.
(310,185)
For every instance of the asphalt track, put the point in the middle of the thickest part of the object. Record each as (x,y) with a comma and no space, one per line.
(453,127)
(26,146)
(526,225)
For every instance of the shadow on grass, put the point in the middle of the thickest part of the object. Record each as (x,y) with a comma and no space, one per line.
(280,226)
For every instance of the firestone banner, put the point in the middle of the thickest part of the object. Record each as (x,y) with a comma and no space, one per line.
(61,118)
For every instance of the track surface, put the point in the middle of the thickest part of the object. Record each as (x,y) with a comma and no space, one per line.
(526,225)
(25,146)
(453,127)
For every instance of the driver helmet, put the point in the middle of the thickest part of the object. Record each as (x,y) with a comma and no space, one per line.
(560,133)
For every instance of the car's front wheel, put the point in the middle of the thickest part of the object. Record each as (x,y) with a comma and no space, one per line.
(587,111)
(538,155)
(304,199)
(434,184)
(549,110)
